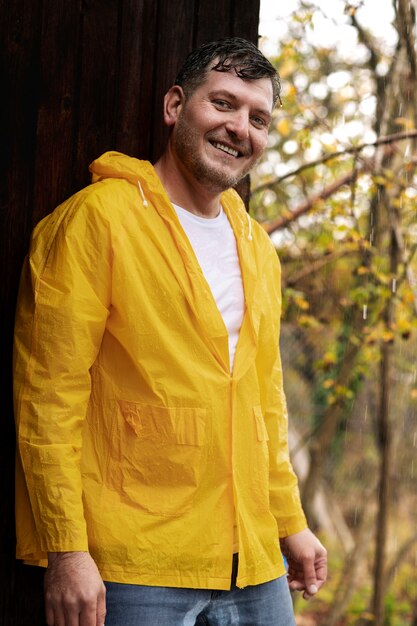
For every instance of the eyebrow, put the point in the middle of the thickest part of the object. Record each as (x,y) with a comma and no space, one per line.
(224,93)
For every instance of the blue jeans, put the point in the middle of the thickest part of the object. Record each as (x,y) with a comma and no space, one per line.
(267,604)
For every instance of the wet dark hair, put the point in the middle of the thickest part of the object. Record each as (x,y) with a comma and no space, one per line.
(232,53)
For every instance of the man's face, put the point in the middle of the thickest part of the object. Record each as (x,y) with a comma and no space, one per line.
(221,129)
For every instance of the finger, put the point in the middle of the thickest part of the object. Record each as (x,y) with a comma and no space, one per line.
(296,573)
(320,580)
(296,585)
(59,618)
(72,616)
(310,575)
(49,613)
(321,572)
(88,617)
(101,608)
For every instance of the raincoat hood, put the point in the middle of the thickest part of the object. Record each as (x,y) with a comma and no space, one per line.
(115,165)
(142,174)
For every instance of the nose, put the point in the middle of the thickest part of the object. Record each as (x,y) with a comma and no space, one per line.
(238,125)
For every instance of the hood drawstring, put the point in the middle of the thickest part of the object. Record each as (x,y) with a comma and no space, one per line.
(144,200)
(249,227)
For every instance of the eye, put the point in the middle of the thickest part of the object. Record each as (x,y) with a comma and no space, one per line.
(259,122)
(222,104)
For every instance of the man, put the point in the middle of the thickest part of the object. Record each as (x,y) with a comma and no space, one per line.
(150,410)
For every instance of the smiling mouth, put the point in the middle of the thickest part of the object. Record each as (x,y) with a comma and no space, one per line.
(224,148)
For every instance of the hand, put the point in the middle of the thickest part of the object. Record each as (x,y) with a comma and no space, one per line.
(75,594)
(307,562)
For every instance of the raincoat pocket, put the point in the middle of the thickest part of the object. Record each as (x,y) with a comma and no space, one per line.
(157,456)
(260,461)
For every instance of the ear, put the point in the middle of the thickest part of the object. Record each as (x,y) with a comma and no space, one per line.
(173,103)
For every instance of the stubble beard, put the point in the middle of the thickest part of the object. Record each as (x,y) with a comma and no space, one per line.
(215,179)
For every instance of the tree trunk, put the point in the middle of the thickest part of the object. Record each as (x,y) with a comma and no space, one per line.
(385,441)
(385,444)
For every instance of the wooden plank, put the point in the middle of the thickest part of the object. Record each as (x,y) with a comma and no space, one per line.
(28,606)
(97,86)
(56,113)
(213,21)
(20,42)
(245,19)
(174,38)
(136,78)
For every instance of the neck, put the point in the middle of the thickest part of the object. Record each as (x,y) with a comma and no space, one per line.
(184,190)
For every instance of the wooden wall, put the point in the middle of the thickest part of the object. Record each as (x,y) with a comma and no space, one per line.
(78,77)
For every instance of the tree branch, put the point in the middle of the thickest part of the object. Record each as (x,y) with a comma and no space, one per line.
(400,556)
(305,206)
(388,139)
(317,265)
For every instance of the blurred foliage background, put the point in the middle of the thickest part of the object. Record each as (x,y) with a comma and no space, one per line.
(337,193)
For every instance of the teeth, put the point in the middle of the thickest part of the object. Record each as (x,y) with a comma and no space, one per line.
(221,146)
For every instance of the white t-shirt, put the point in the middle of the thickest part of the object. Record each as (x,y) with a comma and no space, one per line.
(214,245)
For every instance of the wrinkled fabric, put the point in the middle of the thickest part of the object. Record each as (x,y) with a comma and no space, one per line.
(134,440)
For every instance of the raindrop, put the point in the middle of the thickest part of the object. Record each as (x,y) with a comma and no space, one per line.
(415,440)
(365,311)
(366,415)
(394,285)
(414,376)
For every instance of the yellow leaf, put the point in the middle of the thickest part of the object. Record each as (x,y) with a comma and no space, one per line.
(328,383)
(403,325)
(355,236)
(413,394)
(405,123)
(387,336)
(291,91)
(287,67)
(308,321)
(284,126)
(329,358)
(301,303)
(408,296)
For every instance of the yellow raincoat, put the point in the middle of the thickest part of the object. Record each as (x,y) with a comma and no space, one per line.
(135,441)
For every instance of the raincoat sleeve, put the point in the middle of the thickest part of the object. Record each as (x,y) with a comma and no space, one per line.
(62,310)
(284,493)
